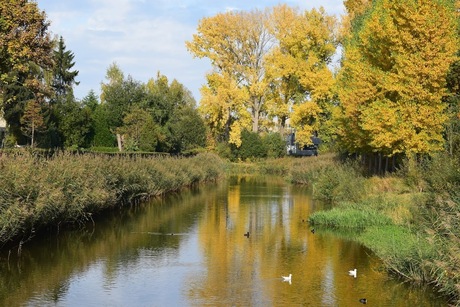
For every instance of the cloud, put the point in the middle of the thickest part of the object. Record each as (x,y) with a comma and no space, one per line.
(142,36)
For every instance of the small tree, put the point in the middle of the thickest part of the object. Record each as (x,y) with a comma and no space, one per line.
(275,145)
(32,120)
(140,131)
(251,146)
(187,129)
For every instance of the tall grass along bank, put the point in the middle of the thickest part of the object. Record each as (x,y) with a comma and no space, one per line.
(409,219)
(37,192)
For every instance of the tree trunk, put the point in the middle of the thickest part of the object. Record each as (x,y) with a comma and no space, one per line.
(120,142)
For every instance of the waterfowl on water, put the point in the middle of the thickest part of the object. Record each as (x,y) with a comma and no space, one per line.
(287,278)
(246,234)
(353,273)
(363,301)
(313,230)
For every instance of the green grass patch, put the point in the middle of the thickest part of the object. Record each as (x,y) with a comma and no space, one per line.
(348,218)
(402,251)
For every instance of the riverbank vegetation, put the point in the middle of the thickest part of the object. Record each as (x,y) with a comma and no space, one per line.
(409,218)
(68,188)
(394,96)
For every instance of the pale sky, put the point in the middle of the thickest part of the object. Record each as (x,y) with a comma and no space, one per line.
(144,36)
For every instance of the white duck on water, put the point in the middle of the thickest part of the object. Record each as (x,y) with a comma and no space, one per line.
(287,278)
(353,273)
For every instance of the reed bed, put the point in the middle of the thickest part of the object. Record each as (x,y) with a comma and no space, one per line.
(411,219)
(37,192)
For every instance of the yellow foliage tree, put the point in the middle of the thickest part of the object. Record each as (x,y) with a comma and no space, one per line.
(297,67)
(306,118)
(236,43)
(394,75)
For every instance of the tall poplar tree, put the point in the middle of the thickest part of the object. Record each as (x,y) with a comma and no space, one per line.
(297,68)
(394,77)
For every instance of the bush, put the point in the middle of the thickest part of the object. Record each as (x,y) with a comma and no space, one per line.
(340,182)
(275,145)
(251,147)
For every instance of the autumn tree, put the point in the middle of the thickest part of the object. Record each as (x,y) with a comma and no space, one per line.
(32,120)
(25,52)
(301,82)
(236,43)
(394,77)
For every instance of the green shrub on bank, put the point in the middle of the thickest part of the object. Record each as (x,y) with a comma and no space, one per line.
(35,192)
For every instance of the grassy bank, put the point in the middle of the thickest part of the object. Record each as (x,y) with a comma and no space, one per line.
(38,192)
(410,219)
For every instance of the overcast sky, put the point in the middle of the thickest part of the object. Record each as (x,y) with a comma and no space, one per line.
(143,36)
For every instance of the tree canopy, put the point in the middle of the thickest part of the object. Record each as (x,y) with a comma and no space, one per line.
(393,77)
(264,62)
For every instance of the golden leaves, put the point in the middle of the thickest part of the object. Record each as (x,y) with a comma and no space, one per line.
(393,77)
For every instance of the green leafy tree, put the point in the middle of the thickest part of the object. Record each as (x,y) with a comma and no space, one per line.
(91,101)
(187,129)
(63,76)
(103,136)
(119,94)
(251,147)
(75,124)
(275,145)
(453,109)
(139,131)
(25,52)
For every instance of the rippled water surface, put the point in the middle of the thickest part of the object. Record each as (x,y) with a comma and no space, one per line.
(190,250)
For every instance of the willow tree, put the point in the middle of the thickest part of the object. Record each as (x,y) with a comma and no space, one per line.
(394,76)
(298,68)
(236,43)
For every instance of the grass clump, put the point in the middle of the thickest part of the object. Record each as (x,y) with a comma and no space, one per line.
(402,251)
(349,218)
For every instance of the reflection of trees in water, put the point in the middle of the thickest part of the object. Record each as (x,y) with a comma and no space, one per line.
(47,264)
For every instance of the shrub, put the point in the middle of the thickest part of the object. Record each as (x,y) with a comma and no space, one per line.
(339,182)
(275,145)
(251,146)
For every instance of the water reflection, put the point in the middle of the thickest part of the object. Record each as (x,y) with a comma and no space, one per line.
(190,249)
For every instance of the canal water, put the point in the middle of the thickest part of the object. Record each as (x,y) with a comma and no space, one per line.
(190,249)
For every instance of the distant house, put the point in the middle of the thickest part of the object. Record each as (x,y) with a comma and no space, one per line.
(294,149)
